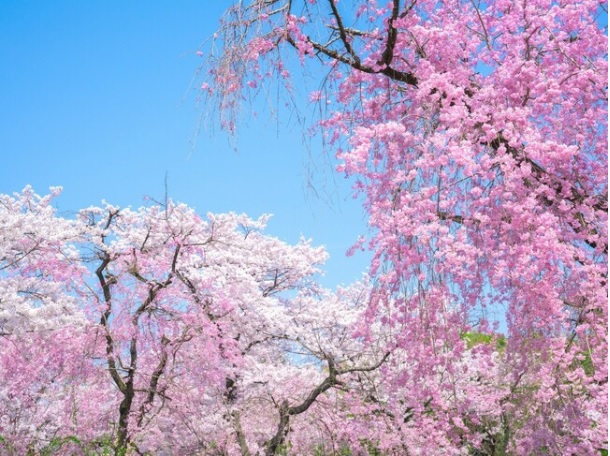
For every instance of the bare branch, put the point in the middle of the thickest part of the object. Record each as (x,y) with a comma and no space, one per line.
(342,32)
(407,78)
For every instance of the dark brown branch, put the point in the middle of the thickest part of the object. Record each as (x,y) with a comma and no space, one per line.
(154,287)
(349,31)
(326,384)
(442,215)
(342,32)
(104,322)
(154,381)
(286,411)
(542,176)
(265,339)
(401,76)
(104,319)
(388,52)
(279,278)
(195,295)
(575,196)
(365,369)
(407,78)
(241,437)
(128,391)
(19,258)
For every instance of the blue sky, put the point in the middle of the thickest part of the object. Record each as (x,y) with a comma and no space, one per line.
(98,97)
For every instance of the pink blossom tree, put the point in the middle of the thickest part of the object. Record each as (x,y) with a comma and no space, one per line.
(477,133)
(45,375)
(156,330)
(189,309)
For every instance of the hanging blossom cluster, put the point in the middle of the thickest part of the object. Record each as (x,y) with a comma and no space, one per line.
(477,135)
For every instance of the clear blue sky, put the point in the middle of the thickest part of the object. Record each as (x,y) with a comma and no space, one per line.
(97,97)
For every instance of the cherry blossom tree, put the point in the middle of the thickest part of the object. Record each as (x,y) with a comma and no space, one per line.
(477,133)
(35,244)
(45,377)
(155,331)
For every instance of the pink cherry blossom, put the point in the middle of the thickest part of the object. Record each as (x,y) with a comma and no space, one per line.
(477,135)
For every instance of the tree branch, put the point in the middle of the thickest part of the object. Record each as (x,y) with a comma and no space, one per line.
(407,78)
(543,177)
(241,437)
(286,411)
(388,52)
(154,381)
(104,319)
(342,32)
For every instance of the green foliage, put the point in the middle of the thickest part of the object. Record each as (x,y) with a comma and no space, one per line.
(474,338)
(587,366)
(56,445)
(343,451)
(283,449)
(371,448)
(103,446)
(60,446)
(5,445)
